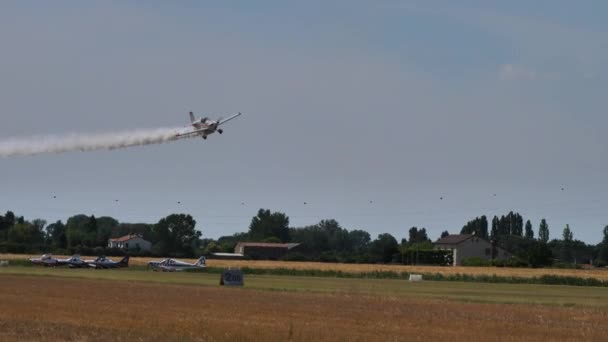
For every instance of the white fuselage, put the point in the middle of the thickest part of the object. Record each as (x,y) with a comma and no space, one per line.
(207,127)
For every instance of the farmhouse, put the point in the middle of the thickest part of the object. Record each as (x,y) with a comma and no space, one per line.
(466,246)
(263,250)
(130,242)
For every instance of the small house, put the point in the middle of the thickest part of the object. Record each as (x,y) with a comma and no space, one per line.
(130,242)
(466,246)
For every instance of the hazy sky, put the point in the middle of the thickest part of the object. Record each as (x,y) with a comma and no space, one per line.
(347,102)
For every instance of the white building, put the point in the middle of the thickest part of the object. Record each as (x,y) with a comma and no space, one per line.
(130,242)
(466,246)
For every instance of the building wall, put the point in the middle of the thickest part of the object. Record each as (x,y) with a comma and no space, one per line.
(132,244)
(264,252)
(474,247)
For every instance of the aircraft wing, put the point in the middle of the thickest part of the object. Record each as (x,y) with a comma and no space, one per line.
(230,118)
(189,134)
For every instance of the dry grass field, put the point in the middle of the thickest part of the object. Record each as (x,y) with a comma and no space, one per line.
(54,308)
(601,274)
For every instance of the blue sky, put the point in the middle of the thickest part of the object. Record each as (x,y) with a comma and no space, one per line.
(399,103)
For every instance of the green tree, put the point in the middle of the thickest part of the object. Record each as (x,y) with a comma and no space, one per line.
(105,225)
(602,253)
(566,250)
(494,233)
(478,226)
(359,240)
(56,235)
(267,224)
(6,222)
(539,254)
(417,235)
(543,231)
(177,236)
(384,247)
(444,233)
(567,234)
(76,230)
(529,234)
(25,233)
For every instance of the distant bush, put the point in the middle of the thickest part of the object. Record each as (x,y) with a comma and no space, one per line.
(476,262)
(600,263)
(436,257)
(567,265)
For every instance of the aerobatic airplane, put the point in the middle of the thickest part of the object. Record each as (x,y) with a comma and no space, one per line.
(172,265)
(205,126)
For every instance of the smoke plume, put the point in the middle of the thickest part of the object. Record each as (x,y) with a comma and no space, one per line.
(85,142)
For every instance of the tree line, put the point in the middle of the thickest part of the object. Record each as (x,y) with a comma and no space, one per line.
(176,235)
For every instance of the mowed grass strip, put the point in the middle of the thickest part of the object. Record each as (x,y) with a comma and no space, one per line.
(53,308)
(598,273)
(459,291)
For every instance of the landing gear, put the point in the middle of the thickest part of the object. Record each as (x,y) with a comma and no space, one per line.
(220,131)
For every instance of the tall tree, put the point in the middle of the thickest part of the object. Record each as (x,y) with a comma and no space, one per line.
(267,224)
(76,230)
(444,233)
(417,235)
(602,255)
(543,231)
(478,226)
(529,231)
(495,228)
(567,234)
(566,252)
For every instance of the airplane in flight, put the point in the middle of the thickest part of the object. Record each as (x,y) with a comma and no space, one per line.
(172,265)
(103,262)
(205,126)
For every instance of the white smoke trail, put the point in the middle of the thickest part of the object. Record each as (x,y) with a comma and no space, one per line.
(85,142)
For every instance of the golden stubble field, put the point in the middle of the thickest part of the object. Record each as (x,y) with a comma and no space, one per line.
(601,274)
(51,309)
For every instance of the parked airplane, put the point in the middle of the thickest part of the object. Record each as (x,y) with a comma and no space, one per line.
(172,265)
(205,126)
(45,260)
(103,262)
(75,262)
(48,260)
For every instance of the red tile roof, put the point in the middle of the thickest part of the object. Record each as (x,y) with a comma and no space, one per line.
(125,238)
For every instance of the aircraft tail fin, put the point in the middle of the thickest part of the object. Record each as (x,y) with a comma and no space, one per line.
(200,261)
(124,262)
(192,118)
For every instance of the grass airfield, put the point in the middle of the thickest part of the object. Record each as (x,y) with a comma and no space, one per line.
(129,304)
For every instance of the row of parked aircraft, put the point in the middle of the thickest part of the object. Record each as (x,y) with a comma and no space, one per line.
(76,262)
(166,265)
